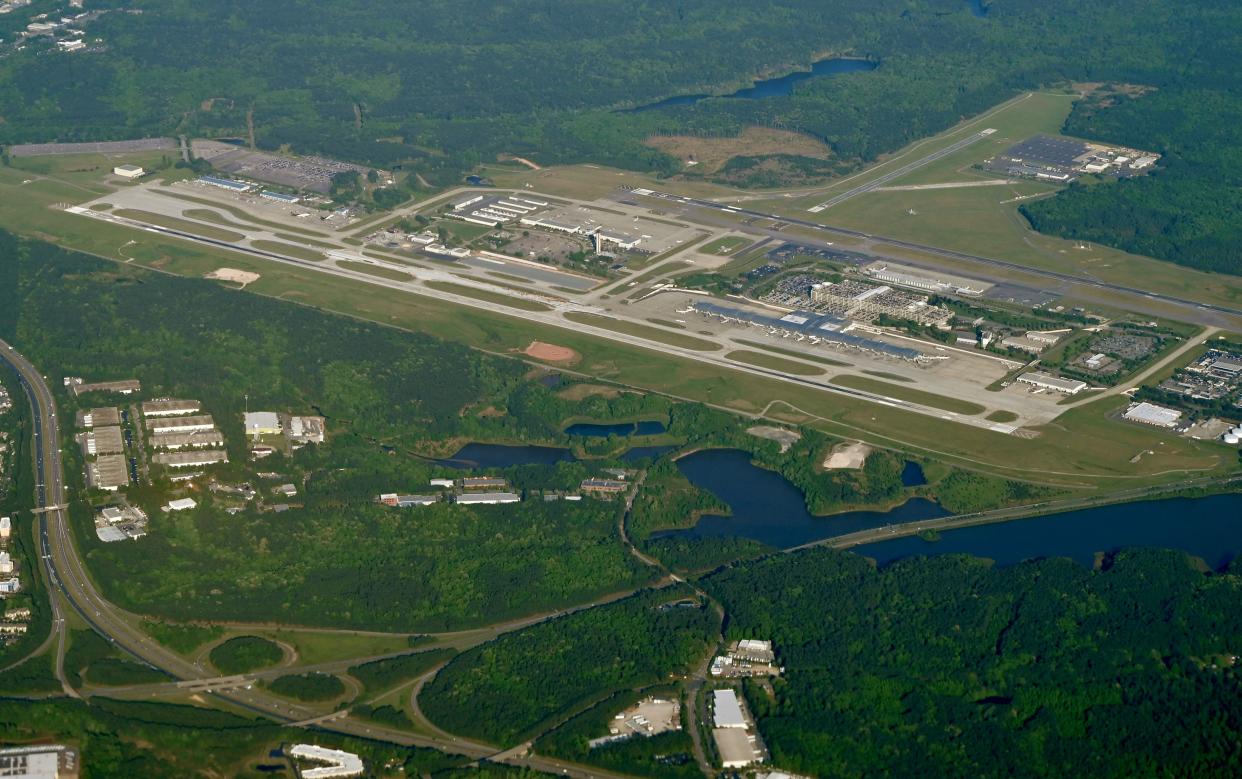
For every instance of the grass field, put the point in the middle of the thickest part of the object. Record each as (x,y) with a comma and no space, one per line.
(307,241)
(889,376)
(184,225)
(1001,415)
(775,363)
(794,353)
(375,270)
(289,250)
(244,216)
(642,331)
(726,245)
(490,297)
(325,646)
(908,393)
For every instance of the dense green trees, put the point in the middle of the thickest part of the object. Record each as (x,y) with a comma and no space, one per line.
(501,690)
(244,654)
(947,666)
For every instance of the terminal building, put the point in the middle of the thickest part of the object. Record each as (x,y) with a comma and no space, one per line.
(816,327)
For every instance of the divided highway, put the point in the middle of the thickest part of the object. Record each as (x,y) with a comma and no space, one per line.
(69,585)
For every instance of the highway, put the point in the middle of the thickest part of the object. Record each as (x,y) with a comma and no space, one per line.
(69,585)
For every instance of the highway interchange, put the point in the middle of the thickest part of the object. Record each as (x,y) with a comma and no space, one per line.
(70,586)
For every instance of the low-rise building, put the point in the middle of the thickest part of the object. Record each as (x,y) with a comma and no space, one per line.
(1055,383)
(49,761)
(288,490)
(189,439)
(169,408)
(193,458)
(181,504)
(99,417)
(104,440)
(6,562)
(488,498)
(108,472)
(6,528)
(308,430)
(1151,414)
(604,486)
(338,764)
(736,747)
(483,482)
(726,711)
(262,423)
(181,424)
(124,171)
(407,501)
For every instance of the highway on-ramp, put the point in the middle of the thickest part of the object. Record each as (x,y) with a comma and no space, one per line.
(70,584)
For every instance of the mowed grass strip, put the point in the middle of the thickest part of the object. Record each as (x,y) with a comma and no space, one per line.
(490,297)
(795,353)
(889,376)
(375,270)
(215,217)
(908,393)
(289,250)
(182,225)
(762,360)
(307,241)
(642,331)
(1001,415)
(244,216)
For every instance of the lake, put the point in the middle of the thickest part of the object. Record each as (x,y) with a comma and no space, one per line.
(772,87)
(1210,528)
(595,430)
(769,509)
(977,7)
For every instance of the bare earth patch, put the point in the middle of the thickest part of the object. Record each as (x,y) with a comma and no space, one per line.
(583,391)
(786,438)
(242,277)
(550,352)
(711,154)
(850,456)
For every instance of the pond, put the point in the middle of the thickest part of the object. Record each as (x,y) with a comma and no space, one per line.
(912,475)
(772,87)
(599,430)
(502,456)
(769,509)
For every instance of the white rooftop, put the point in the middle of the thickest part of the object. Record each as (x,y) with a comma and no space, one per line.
(181,504)
(340,763)
(1153,414)
(262,420)
(727,713)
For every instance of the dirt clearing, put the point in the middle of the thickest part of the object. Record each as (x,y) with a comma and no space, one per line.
(550,352)
(847,456)
(242,277)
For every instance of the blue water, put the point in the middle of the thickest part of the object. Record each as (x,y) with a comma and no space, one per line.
(977,8)
(772,87)
(501,456)
(912,475)
(593,430)
(1209,528)
(769,509)
(646,452)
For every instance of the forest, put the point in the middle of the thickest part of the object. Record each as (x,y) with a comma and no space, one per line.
(949,666)
(501,691)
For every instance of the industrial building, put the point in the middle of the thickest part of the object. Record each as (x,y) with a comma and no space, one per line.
(737,748)
(229,184)
(1047,381)
(488,498)
(1032,342)
(1151,414)
(123,387)
(407,501)
(495,210)
(190,459)
(187,440)
(127,171)
(726,711)
(116,523)
(169,408)
(108,472)
(338,764)
(182,424)
(280,197)
(48,761)
(103,440)
(6,528)
(99,417)
(181,504)
(262,423)
(306,430)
